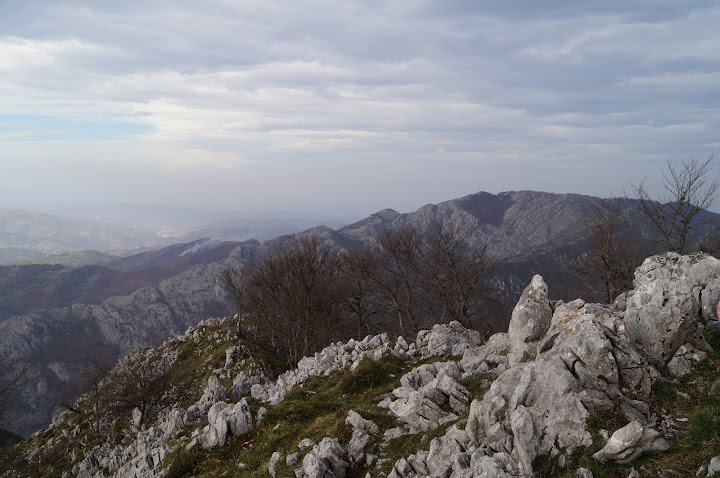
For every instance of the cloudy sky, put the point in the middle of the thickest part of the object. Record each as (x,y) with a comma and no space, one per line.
(346,107)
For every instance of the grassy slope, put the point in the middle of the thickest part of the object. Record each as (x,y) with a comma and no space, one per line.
(316,410)
(34,287)
(319,407)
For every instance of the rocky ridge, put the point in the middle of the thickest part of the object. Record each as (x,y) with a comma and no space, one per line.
(558,364)
(63,341)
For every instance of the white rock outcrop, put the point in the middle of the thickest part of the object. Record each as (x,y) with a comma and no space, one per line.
(631,441)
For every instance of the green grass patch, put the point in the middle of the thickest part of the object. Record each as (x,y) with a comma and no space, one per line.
(477,384)
(315,409)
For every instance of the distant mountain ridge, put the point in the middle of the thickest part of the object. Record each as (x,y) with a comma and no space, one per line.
(27,234)
(511,223)
(40,238)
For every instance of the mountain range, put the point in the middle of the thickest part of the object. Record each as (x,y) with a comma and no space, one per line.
(143,299)
(30,237)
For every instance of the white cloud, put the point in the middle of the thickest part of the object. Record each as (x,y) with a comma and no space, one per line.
(399,86)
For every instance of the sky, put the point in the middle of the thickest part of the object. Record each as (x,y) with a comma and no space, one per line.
(345,107)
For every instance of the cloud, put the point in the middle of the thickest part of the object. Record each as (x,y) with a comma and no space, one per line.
(391,86)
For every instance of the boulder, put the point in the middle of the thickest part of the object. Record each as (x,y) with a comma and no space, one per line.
(243,382)
(326,460)
(497,465)
(662,313)
(487,356)
(682,362)
(306,443)
(418,411)
(240,418)
(274,459)
(540,407)
(631,441)
(714,466)
(447,339)
(225,420)
(293,459)
(365,432)
(445,450)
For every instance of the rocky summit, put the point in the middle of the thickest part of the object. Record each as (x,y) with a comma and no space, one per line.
(571,389)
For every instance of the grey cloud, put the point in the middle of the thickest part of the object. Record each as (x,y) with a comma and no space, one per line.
(475,84)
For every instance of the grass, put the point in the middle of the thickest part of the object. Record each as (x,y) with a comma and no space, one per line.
(477,384)
(316,409)
(201,357)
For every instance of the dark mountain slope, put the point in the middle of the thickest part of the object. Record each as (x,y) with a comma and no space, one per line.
(26,288)
(202,251)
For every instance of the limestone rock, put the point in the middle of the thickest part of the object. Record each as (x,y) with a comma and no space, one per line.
(365,432)
(530,320)
(714,466)
(682,362)
(447,339)
(232,354)
(243,382)
(444,451)
(326,460)
(418,411)
(498,465)
(240,418)
(274,459)
(292,459)
(213,393)
(631,441)
(306,443)
(662,313)
(487,356)
(540,407)
(225,420)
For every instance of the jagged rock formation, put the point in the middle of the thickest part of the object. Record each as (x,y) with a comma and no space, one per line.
(511,223)
(548,373)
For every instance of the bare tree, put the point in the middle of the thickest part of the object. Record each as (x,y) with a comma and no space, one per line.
(608,267)
(292,296)
(144,381)
(87,396)
(689,188)
(361,298)
(437,275)
(456,275)
(399,276)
